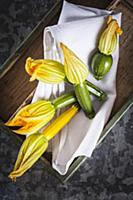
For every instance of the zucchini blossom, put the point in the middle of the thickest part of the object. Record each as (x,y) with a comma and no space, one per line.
(108,39)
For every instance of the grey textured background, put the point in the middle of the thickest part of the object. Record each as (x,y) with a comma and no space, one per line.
(17,20)
(107,175)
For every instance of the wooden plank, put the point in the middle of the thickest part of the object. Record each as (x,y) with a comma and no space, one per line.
(124,80)
(94,3)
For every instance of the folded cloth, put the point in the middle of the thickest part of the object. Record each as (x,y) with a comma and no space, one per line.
(78,28)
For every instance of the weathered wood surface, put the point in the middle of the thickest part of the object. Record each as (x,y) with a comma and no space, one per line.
(125,66)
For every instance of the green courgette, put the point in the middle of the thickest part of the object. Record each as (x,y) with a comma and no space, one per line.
(101,64)
(84,99)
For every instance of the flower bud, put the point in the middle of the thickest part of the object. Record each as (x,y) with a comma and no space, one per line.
(108,39)
(31,150)
(75,70)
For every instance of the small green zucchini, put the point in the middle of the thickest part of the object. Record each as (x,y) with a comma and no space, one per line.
(84,99)
(101,64)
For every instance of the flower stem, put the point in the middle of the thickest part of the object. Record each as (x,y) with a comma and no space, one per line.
(64,100)
(93,89)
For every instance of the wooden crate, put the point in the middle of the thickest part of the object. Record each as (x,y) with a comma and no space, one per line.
(15,89)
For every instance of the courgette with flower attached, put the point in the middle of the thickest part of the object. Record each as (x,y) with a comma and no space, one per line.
(36,144)
(76,73)
(102,60)
(34,116)
(52,72)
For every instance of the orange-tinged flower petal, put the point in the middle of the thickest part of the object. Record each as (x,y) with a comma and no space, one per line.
(48,71)
(32,117)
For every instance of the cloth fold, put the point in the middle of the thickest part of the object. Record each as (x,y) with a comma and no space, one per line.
(78,28)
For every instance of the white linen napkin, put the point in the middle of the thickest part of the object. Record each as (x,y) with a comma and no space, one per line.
(78,28)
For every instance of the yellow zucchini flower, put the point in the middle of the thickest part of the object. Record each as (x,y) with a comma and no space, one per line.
(108,39)
(75,70)
(35,145)
(31,150)
(48,71)
(32,117)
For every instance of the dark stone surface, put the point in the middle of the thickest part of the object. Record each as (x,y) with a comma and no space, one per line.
(17,20)
(107,175)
